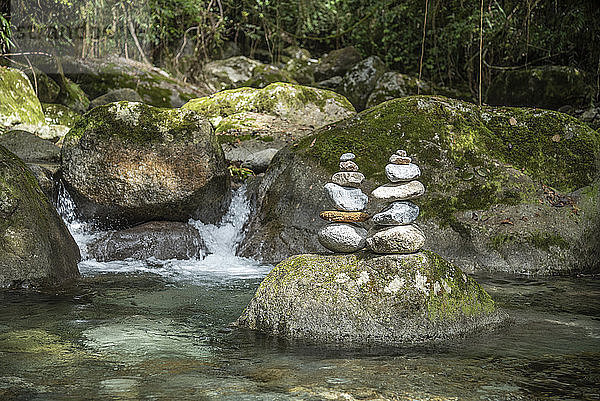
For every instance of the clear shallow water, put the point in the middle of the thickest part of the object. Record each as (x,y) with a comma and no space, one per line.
(160,330)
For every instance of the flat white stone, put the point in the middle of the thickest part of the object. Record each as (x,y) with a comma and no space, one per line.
(340,237)
(348,178)
(402,172)
(347,156)
(398,213)
(396,239)
(345,198)
(399,192)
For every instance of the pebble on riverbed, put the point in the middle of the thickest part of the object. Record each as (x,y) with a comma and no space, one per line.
(343,234)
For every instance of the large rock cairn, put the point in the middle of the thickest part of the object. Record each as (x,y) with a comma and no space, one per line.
(343,234)
(394,231)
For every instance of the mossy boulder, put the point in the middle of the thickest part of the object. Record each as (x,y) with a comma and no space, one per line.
(18,102)
(266,74)
(509,189)
(548,87)
(369,299)
(359,82)
(72,96)
(116,95)
(336,63)
(97,77)
(58,114)
(393,85)
(277,113)
(126,163)
(47,89)
(229,73)
(36,248)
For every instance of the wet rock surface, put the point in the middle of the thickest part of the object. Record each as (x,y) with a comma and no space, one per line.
(158,239)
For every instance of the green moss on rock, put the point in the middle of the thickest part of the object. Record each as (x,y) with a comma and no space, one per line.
(18,102)
(58,114)
(368,298)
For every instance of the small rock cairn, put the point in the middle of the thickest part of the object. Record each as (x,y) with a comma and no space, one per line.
(343,234)
(394,231)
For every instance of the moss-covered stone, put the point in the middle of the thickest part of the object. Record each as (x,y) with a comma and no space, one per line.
(72,96)
(116,95)
(58,114)
(127,163)
(47,88)
(266,74)
(18,102)
(36,248)
(360,80)
(364,298)
(229,73)
(488,172)
(548,87)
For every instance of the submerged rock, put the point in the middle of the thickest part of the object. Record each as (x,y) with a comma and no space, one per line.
(18,102)
(508,189)
(367,299)
(158,239)
(127,163)
(36,248)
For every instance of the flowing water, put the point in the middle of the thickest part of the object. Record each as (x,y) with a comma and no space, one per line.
(160,330)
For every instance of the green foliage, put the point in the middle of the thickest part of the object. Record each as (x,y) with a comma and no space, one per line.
(5,35)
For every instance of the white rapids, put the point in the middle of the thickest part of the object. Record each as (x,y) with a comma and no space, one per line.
(222,240)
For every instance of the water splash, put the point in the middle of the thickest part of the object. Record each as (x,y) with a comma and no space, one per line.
(222,241)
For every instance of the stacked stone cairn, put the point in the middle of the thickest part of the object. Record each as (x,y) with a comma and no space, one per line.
(394,231)
(343,233)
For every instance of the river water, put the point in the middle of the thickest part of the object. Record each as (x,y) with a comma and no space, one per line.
(160,330)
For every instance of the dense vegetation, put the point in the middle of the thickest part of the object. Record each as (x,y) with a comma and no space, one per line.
(181,35)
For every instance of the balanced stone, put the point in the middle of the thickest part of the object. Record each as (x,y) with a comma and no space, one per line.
(402,172)
(343,217)
(397,213)
(348,166)
(348,178)
(347,156)
(396,239)
(399,192)
(395,159)
(401,152)
(346,199)
(339,237)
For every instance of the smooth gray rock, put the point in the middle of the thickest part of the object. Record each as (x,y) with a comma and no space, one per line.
(158,239)
(348,178)
(342,237)
(399,192)
(363,298)
(347,156)
(396,239)
(116,95)
(398,213)
(29,147)
(402,172)
(346,199)
(259,161)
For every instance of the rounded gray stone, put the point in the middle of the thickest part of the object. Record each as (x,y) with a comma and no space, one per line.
(347,156)
(396,239)
(395,159)
(402,172)
(399,191)
(341,237)
(345,198)
(397,213)
(348,178)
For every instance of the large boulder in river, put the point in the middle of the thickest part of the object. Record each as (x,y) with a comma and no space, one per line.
(126,163)
(508,189)
(99,76)
(229,73)
(369,299)
(36,248)
(157,239)
(548,87)
(269,117)
(18,102)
